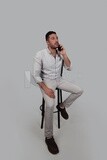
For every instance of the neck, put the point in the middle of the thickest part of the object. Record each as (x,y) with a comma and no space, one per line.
(52,50)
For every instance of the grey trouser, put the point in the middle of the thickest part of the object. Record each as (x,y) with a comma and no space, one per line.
(61,83)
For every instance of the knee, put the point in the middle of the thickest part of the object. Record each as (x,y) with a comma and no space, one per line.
(80,92)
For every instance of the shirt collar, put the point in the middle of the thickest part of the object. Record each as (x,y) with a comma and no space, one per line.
(50,51)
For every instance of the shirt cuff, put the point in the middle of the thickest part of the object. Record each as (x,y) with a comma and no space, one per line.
(38,79)
(68,68)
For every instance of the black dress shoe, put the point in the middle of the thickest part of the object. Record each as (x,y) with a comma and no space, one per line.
(64,114)
(52,146)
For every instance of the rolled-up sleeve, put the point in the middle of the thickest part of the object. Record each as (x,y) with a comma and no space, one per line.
(37,64)
(68,68)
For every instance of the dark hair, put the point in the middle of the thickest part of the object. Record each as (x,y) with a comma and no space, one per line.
(48,34)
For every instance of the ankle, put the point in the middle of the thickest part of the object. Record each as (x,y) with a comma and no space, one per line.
(62,106)
(48,137)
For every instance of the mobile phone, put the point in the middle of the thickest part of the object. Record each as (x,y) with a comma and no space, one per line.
(59,48)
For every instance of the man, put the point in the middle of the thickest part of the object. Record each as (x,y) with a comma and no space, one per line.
(47,69)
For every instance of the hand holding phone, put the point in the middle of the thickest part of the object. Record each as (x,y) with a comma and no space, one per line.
(60,48)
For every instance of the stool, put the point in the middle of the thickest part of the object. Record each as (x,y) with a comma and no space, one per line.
(42,107)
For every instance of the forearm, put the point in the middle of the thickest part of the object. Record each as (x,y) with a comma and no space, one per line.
(66,60)
(42,85)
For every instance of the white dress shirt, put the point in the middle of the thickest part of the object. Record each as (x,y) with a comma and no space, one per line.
(45,65)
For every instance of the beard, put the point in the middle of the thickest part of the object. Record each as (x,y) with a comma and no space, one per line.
(54,46)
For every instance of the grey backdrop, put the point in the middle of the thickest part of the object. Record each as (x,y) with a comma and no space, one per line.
(82,29)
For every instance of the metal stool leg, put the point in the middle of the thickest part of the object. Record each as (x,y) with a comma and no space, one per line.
(42,108)
(60,95)
(58,101)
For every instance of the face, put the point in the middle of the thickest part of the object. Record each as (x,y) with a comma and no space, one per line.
(53,41)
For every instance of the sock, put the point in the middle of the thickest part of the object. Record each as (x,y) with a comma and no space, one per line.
(48,137)
(62,106)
